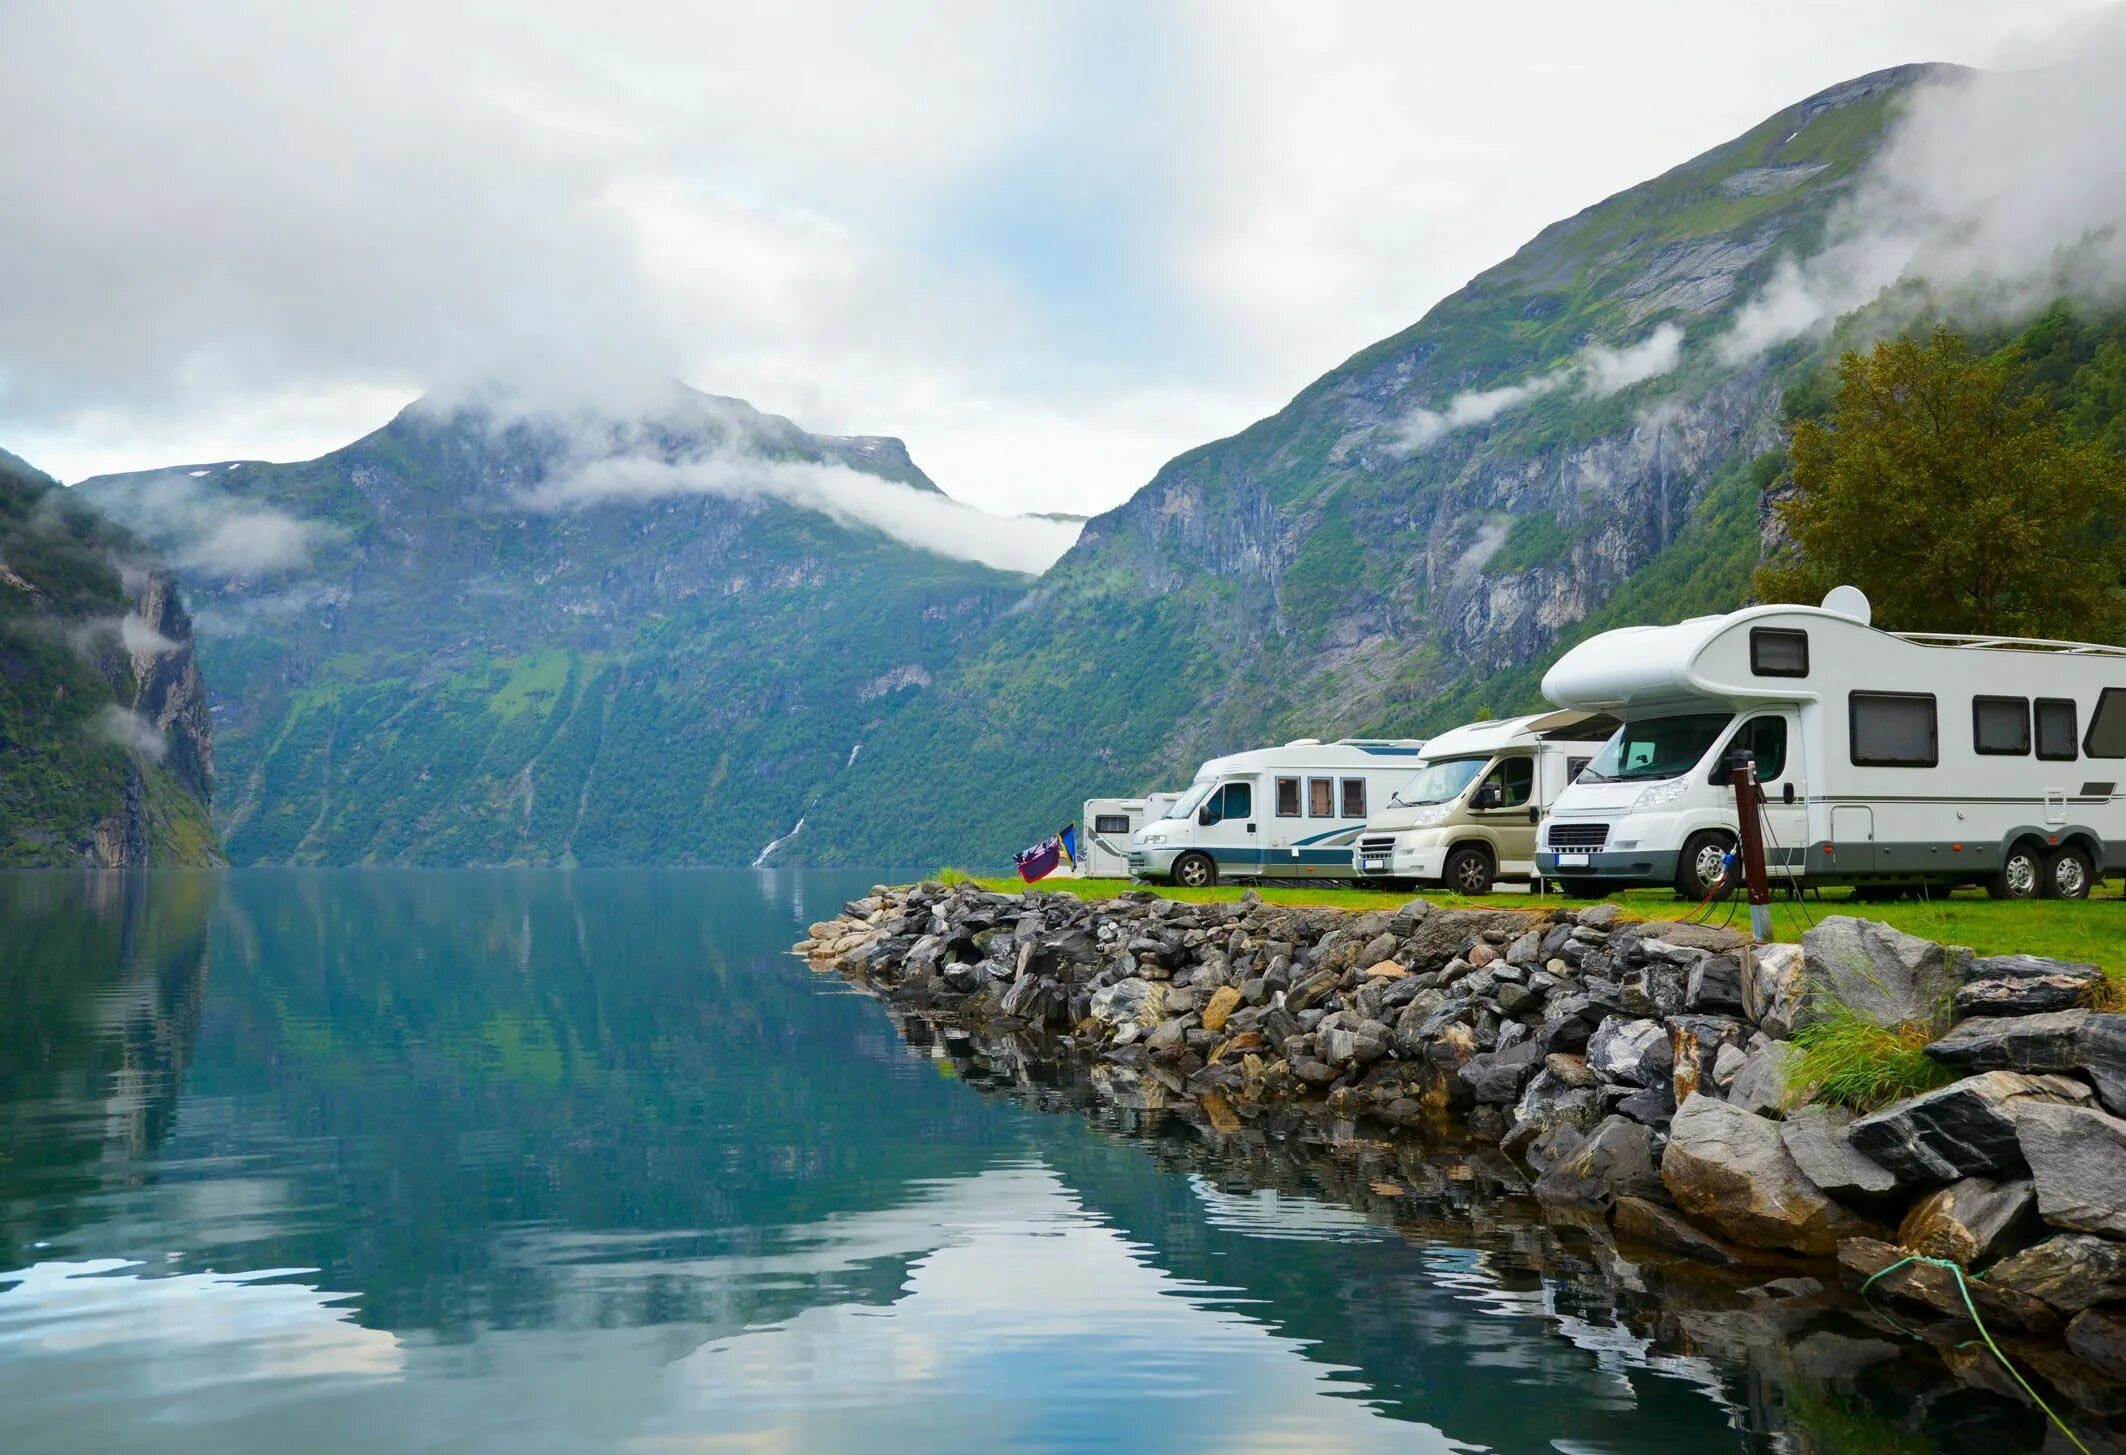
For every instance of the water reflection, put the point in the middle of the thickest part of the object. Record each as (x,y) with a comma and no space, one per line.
(549,1161)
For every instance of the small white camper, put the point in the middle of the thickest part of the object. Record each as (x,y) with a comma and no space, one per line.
(1471,814)
(1104,832)
(1289,812)
(1887,759)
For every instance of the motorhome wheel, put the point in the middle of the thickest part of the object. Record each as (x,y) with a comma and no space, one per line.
(1469,871)
(2067,875)
(1701,865)
(2021,875)
(1195,871)
(1580,888)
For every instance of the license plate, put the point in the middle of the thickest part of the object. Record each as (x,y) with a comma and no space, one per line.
(1572,861)
(1373,864)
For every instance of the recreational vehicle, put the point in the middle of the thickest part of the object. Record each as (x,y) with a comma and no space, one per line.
(1472,813)
(1887,760)
(1104,832)
(1274,813)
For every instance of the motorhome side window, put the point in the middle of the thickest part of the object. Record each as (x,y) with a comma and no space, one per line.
(2001,726)
(1354,798)
(1288,798)
(1893,729)
(1321,798)
(1765,738)
(1234,800)
(1515,781)
(2107,725)
(2056,729)
(1779,652)
(1110,823)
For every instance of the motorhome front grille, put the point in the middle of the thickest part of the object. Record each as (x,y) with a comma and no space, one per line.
(1376,848)
(1578,835)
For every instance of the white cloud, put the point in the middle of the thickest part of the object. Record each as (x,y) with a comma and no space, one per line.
(210,532)
(141,639)
(1596,370)
(1605,371)
(2000,191)
(131,731)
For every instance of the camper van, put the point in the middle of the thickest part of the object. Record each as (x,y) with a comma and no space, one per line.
(1274,813)
(1104,832)
(1887,760)
(1471,815)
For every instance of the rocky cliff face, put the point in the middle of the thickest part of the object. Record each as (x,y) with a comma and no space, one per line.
(106,752)
(1557,447)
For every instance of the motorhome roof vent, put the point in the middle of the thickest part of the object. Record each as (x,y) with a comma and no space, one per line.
(1850,601)
(1304,743)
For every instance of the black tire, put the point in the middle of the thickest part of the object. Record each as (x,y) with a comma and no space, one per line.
(1196,871)
(1469,871)
(2022,874)
(1580,888)
(1699,865)
(1877,893)
(2068,874)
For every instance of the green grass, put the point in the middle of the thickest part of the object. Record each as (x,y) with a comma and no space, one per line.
(1848,1060)
(2092,931)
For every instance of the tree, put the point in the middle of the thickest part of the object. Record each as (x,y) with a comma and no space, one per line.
(1956,499)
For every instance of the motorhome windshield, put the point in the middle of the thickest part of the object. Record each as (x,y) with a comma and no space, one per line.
(1656,747)
(1190,801)
(1440,782)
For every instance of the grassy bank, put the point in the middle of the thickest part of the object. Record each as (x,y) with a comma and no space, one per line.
(2093,931)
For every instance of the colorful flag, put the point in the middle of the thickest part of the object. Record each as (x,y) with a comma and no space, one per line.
(1069,840)
(1039,861)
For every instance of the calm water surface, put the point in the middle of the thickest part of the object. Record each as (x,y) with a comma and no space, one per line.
(537,1161)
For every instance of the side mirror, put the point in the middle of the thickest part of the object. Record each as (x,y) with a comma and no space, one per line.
(1486,797)
(1206,815)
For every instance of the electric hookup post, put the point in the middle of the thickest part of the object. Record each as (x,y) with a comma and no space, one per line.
(1749,825)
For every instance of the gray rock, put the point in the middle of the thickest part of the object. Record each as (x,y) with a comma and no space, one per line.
(1549,1102)
(1571,1070)
(1634,1052)
(1637,1217)
(2098,1338)
(2025,985)
(1125,1000)
(1761,1085)
(1884,974)
(2086,1041)
(1729,1170)
(1695,1043)
(1970,1222)
(2077,1155)
(1526,949)
(1967,1129)
(1816,1139)
(1726,1064)
(1569,1021)
(2070,1271)
(1774,986)
(1600,916)
(1498,1077)
(1615,1160)
(1653,1105)
(1515,999)
(1553,1146)
(1168,1035)
(1715,984)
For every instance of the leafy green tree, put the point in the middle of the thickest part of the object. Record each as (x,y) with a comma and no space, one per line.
(1957,499)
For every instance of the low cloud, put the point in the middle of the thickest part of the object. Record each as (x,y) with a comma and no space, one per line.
(1595,371)
(141,639)
(131,731)
(920,518)
(209,532)
(1999,192)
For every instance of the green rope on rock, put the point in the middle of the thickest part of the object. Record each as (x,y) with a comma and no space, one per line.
(1964,1288)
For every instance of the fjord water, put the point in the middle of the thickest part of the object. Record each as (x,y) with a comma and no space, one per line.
(544,1161)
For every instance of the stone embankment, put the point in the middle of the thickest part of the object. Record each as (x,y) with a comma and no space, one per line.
(1641,1071)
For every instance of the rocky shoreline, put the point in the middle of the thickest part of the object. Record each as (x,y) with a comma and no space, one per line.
(1636,1074)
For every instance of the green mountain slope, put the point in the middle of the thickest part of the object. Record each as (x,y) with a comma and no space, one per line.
(1344,566)
(105,759)
(455,659)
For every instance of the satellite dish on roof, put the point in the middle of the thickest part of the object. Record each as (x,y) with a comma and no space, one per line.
(1850,601)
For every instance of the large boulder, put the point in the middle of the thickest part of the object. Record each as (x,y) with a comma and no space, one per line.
(2084,1041)
(1881,973)
(1966,1129)
(1129,1001)
(2025,985)
(1729,1170)
(1970,1222)
(1890,1272)
(2077,1155)
(1761,1085)
(1774,986)
(1550,1101)
(1817,1139)
(2070,1271)
(1616,1160)
(1634,1052)
(1498,1077)
(2098,1338)
(1648,1221)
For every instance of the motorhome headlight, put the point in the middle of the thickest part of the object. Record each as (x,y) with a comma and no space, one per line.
(1151,840)
(1661,795)
(1432,815)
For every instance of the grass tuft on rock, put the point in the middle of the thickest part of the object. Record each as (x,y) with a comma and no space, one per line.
(1848,1060)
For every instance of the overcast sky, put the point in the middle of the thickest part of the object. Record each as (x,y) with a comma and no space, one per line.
(1048,245)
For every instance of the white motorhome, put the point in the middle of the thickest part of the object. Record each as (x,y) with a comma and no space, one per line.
(1470,815)
(1104,832)
(1289,812)
(1887,759)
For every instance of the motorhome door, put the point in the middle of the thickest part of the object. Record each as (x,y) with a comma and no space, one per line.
(1228,829)
(1505,804)
(1774,739)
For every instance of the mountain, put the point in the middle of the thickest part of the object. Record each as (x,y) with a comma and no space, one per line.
(106,759)
(1556,447)
(478,638)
